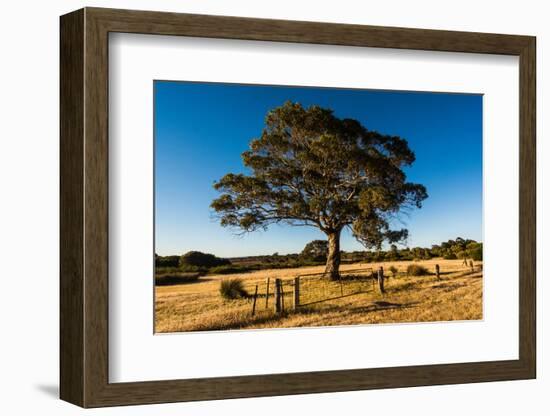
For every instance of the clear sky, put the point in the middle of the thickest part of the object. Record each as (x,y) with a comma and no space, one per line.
(201,130)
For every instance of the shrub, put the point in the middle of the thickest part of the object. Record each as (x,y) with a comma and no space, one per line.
(232,289)
(199,259)
(166,270)
(391,256)
(393,270)
(416,270)
(450,256)
(185,268)
(166,261)
(475,251)
(175,278)
(315,250)
(477,254)
(230,269)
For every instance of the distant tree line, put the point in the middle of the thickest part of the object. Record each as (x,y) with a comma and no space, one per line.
(204,263)
(459,248)
(190,261)
(315,253)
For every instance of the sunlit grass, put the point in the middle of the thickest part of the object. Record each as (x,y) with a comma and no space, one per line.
(457,295)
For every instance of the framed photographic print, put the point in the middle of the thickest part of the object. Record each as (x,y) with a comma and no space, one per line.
(256,207)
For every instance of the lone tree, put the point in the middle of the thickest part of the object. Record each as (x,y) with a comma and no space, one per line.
(310,168)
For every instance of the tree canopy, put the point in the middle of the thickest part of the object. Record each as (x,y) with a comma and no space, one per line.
(311,168)
(315,250)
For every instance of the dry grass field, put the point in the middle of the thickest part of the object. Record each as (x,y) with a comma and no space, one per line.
(198,306)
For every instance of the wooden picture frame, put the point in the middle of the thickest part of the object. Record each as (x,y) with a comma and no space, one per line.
(84,207)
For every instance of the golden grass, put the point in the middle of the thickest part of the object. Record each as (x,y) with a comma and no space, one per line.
(199,307)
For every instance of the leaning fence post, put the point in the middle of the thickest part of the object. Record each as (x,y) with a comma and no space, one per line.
(472,265)
(254,304)
(381,279)
(267,293)
(296,292)
(437,272)
(278,295)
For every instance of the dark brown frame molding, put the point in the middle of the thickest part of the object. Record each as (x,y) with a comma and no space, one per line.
(84,207)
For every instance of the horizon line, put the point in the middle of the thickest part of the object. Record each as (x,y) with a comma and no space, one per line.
(344,251)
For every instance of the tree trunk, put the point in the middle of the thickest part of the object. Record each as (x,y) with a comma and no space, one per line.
(332,268)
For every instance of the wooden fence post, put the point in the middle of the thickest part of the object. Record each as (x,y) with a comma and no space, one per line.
(282,295)
(437,272)
(254,304)
(278,295)
(472,265)
(296,292)
(267,293)
(381,280)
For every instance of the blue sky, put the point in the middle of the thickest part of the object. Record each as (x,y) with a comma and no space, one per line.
(201,129)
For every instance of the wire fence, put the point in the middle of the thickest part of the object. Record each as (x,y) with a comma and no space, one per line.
(309,289)
(315,288)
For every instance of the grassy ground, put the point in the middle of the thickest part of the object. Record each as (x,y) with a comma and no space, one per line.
(198,306)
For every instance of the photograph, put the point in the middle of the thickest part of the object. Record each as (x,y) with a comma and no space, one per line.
(229,185)
(279,206)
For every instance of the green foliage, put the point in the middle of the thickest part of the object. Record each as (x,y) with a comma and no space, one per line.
(315,250)
(175,278)
(186,268)
(231,269)
(416,270)
(393,270)
(420,253)
(166,261)
(475,251)
(472,250)
(455,249)
(233,289)
(199,259)
(312,168)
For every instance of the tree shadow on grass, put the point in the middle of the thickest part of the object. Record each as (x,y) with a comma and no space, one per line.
(370,308)
(183,281)
(382,306)
(245,321)
(448,286)
(402,288)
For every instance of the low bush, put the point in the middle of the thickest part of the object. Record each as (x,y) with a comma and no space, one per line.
(476,251)
(166,261)
(416,270)
(193,269)
(230,269)
(166,270)
(393,270)
(233,289)
(199,259)
(175,278)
